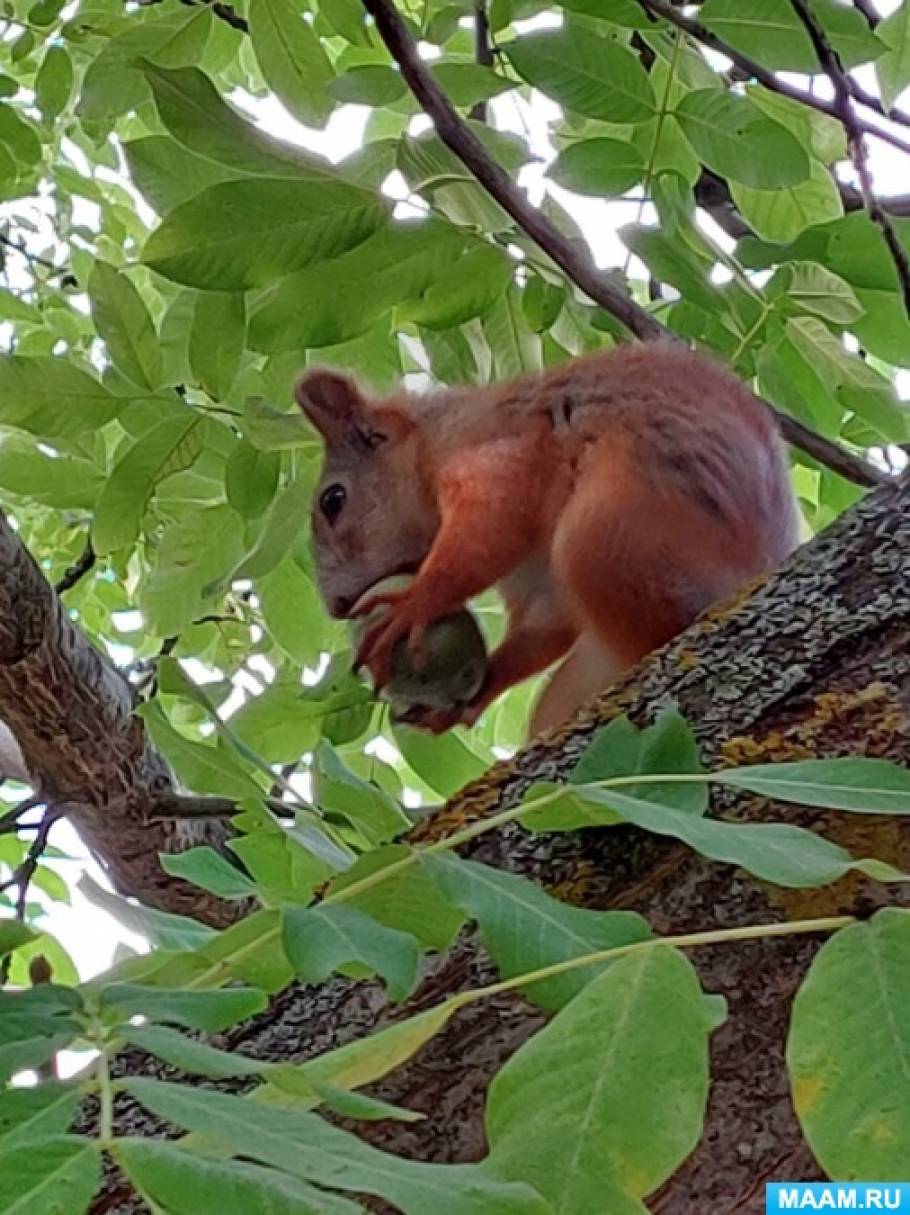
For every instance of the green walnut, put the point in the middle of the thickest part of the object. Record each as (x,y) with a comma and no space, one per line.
(454,659)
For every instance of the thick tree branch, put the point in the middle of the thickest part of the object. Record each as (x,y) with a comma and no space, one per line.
(843,93)
(575,263)
(754,70)
(70,713)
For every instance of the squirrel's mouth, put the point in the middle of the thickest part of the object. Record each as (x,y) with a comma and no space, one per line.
(342,604)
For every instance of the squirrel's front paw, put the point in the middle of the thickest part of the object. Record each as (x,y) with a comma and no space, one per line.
(376,649)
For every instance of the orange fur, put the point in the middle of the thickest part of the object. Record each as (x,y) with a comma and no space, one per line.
(610,499)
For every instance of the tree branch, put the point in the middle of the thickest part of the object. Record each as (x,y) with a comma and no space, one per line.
(68,279)
(78,569)
(845,113)
(701,33)
(574,262)
(483,51)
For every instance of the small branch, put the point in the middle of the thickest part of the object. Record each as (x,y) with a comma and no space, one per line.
(78,569)
(224,12)
(868,10)
(23,874)
(185,805)
(701,33)
(483,51)
(575,263)
(68,279)
(845,113)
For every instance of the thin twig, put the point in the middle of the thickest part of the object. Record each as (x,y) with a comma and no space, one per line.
(68,278)
(574,262)
(23,873)
(846,114)
(225,12)
(701,33)
(483,51)
(10,818)
(868,10)
(80,567)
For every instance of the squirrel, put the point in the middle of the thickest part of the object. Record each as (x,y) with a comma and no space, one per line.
(609,499)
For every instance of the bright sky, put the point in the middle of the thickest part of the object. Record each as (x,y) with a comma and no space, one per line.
(89,934)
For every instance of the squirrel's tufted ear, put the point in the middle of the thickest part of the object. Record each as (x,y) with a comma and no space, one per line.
(342,415)
(332,402)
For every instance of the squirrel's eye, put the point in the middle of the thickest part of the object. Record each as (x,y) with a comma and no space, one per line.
(331,501)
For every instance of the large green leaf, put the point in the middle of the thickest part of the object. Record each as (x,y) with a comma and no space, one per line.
(809,287)
(51,397)
(526,929)
(337,790)
(207,1010)
(604,1099)
(585,73)
(197,116)
(171,445)
(865,786)
(202,767)
(774,852)
(183,1183)
(783,213)
(217,340)
(893,67)
(291,59)
(54,82)
(336,300)
(306,1146)
(602,167)
(771,32)
(124,325)
(407,900)
(240,234)
(318,940)
(68,482)
(735,139)
(30,1114)
(848,1052)
(58,1173)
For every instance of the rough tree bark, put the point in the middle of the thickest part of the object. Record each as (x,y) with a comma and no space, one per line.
(814,663)
(71,713)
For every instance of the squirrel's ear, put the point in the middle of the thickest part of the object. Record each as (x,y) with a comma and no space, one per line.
(332,402)
(336,407)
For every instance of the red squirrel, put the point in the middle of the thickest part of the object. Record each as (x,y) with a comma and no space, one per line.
(609,499)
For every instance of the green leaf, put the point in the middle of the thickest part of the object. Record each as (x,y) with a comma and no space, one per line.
(54,82)
(50,397)
(735,139)
(318,940)
(336,789)
(408,900)
(240,234)
(884,327)
(209,870)
(667,746)
(161,928)
(771,32)
(125,327)
(893,67)
(189,1055)
(199,766)
(375,84)
(466,84)
(783,213)
(469,289)
(217,340)
(58,1173)
(167,174)
(13,934)
(339,299)
(197,116)
(445,762)
(605,168)
(774,852)
(251,478)
(865,786)
(183,1183)
(584,73)
(292,611)
(31,1114)
(809,287)
(206,1010)
(624,1100)
(67,482)
(525,929)
(280,527)
(171,445)
(306,1146)
(291,59)
(848,1049)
